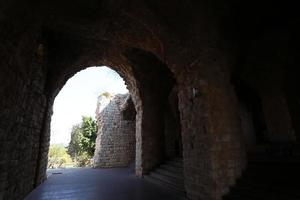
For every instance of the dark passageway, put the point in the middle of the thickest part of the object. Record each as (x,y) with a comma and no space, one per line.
(179,60)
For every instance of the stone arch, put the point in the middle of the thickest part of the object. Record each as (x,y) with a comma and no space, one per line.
(189,39)
(148,79)
(64,54)
(56,86)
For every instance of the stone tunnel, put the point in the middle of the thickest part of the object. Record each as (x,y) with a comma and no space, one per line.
(222,76)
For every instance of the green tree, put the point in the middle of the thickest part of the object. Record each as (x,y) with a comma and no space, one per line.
(58,156)
(74,147)
(83,138)
(83,160)
(89,133)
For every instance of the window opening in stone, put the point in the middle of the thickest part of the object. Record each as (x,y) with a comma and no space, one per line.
(93,122)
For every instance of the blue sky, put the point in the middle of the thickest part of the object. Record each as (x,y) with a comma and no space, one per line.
(79,97)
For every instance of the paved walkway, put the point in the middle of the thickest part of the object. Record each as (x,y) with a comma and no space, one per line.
(97,184)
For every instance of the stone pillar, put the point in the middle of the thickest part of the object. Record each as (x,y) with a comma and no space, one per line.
(22,105)
(214,156)
(152,134)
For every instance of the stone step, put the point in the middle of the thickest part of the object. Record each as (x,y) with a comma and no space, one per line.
(169,175)
(178,191)
(178,175)
(175,163)
(172,168)
(168,179)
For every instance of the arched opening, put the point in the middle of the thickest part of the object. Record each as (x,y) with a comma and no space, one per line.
(251,115)
(114,149)
(152,44)
(159,94)
(267,126)
(269,148)
(153,92)
(78,119)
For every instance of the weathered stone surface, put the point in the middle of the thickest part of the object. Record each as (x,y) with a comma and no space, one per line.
(115,143)
(199,45)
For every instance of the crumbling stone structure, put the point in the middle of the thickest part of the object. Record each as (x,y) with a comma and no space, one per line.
(211,51)
(115,143)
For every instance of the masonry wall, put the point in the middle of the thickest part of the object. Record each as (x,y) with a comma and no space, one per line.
(155,82)
(22,109)
(201,44)
(173,141)
(115,143)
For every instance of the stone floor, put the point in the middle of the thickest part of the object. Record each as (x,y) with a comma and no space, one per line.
(100,184)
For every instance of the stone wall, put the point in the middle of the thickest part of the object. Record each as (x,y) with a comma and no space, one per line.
(152,44)
(22,108)
(115,143)
(173,142)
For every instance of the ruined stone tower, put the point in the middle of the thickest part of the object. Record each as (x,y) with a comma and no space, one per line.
(115,143)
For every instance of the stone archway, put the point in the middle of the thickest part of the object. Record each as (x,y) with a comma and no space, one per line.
(147,78)
(144,54)
(199,43)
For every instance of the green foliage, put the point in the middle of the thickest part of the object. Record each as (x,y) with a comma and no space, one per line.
(58,156)
(74,147)
(89,133)
(82,144)
(83,160)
